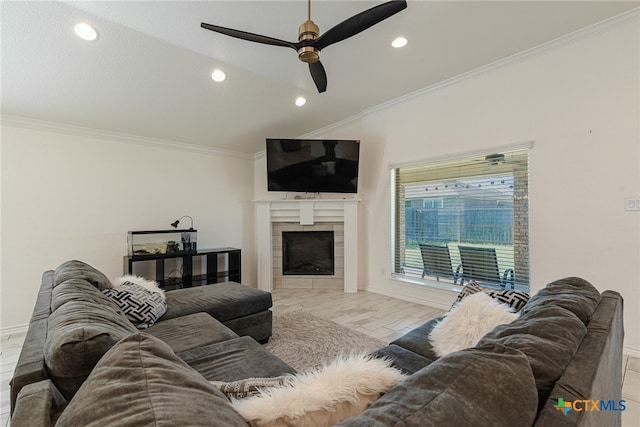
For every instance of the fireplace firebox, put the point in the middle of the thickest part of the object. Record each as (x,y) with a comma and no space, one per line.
(307,253)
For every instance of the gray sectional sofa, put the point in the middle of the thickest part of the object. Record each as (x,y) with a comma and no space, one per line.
(565,346)
(74,324)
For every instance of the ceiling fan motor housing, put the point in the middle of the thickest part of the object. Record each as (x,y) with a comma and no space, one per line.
(308,31)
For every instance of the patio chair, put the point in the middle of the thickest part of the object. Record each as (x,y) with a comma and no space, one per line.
(481,264)
(436,261)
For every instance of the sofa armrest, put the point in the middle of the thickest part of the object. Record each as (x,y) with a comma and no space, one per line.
(37,404)
(31,367)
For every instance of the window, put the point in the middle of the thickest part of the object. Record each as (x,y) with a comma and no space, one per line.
(463,219)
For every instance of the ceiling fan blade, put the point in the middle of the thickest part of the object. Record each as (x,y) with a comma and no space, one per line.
(319,76)
(358,23)
(249,36)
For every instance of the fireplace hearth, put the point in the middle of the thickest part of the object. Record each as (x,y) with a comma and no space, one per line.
(307,253)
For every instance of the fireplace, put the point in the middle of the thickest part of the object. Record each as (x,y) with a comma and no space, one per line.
(307,253)
(273,217)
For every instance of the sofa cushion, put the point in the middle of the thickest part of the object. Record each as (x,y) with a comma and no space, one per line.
(79,333)
(234,360)
(141,382)
(483,386)
(202,330)
(75,269)
(78,290)
(417,340)
(224,301)
(548,336)
(142,306)
(258,326)
(572,293)
(405,360)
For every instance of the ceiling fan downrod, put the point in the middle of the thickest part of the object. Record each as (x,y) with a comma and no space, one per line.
(308,31)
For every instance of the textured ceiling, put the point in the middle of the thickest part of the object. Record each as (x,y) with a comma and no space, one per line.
(148,74)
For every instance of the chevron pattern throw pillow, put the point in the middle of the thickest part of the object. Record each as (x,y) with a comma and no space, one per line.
(142,306)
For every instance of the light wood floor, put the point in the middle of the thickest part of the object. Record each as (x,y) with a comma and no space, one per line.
(373,314)
(376,315)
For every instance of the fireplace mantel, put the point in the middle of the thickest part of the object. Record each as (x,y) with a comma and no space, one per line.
(306,212)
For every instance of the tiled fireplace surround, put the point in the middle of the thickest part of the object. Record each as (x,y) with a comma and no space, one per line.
(335,281)
(273,217)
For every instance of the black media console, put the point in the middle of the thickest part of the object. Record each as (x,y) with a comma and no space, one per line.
(187,279)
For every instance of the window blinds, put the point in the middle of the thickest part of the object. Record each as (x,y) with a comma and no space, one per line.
(476,207)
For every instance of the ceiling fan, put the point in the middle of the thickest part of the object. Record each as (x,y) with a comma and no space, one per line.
(310,42)
(495,159)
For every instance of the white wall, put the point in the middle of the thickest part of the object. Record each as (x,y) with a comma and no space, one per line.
(75,196)
(579,101)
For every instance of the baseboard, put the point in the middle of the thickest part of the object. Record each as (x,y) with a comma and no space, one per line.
(410,298)
(13,330)
(631,351)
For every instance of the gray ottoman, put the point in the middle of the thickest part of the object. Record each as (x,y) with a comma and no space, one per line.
(243,309)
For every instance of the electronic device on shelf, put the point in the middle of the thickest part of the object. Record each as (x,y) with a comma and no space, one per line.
(313,165)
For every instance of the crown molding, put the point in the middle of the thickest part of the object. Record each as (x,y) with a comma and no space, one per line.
(42,125)
(330,127)
(583,32)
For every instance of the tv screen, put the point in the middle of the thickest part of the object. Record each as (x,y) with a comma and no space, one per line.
(313,165)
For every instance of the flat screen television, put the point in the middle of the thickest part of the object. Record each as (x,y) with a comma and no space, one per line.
(313,165)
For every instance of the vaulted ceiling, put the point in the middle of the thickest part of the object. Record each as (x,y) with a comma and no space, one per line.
(149,72)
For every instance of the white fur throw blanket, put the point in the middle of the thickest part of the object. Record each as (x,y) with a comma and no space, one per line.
(149,285)
(323,396)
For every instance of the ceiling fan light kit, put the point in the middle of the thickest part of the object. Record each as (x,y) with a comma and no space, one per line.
(310,42)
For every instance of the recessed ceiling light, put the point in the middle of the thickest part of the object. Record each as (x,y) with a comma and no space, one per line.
(85,31)
(300,101)
(399,42)
(218,76)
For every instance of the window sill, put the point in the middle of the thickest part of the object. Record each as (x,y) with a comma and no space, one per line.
(444,286)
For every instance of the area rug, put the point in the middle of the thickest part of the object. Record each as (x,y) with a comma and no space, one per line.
(306,341)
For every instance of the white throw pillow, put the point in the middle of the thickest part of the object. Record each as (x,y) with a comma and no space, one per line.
(463,326)
(323,396)
(150,285)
